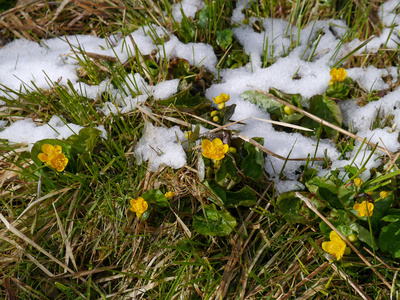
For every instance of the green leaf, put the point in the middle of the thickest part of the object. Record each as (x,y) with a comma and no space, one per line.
(294,99)
(237,59)
(224,38)
(156,197)
(263,101)
(227,113)
(213,222)
(325,189)
(185,101)
(244,197)
(341,220)
(326,109)
(82,144)
(389,239)
(84,141)
(292,119)
(253,163)
(227,170)
(392,215)
(293,209)
(391,218)
(345,194)
(380,210)
(364,235)
(203,16)
(218,192)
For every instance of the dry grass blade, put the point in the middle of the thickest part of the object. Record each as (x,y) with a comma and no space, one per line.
(59,9)
(326,123)
(321,268)
(40,266)
(254,143)
(316,211)
(352,284)
(32,243)
(68,249)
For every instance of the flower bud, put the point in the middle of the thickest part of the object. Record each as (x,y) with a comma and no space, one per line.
(214,113)
(221,106)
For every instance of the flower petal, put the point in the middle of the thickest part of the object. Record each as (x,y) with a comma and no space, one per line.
(43,157)
(47,148)
(217,142)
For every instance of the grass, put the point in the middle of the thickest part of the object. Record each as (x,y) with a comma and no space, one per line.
(71,235)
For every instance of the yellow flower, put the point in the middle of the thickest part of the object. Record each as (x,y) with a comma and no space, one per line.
(59,162)
(358,182)
(364,208)
(139,206)
(221,98)
(53,157)
(169,195)
(338,74)
(215,149)
(49,152)
(336,246)
(383,194)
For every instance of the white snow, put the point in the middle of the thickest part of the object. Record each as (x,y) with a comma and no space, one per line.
(160,147)
(301,65)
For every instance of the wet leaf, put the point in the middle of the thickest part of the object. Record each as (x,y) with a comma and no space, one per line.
(293,209)
(156,197)
(253,163)
(389,239)
(213,222)
(244,197)
(326,109)
(224,38)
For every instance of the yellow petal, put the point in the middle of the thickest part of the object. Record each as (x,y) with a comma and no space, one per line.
(58,162)
(217,142)
(206,144)
(43,157)
(47,148)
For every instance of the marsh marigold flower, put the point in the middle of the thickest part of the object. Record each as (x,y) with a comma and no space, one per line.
(169,195)
(215,149)
(364,208)
(358,182)
(139,206)
(53,157)
(221,99)
(337,75)
(383,194)
(336,246)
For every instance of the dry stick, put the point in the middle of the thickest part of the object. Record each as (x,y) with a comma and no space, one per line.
(308,278)
(352,284)
(307,201)
(385,264)
(323,122)
(251,141)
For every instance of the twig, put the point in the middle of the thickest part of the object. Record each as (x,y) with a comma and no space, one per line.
(251,141)
(326,123)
